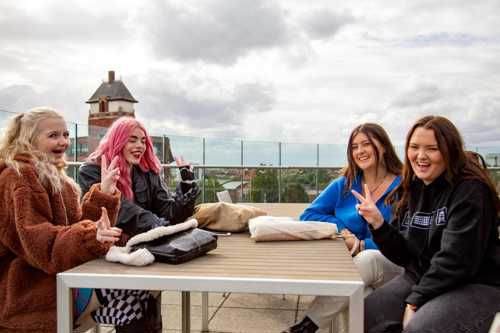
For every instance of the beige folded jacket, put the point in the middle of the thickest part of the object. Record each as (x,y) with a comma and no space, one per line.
(223,216)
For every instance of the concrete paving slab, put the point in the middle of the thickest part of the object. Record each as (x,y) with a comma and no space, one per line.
(261,301)
(172,316)
(251,320)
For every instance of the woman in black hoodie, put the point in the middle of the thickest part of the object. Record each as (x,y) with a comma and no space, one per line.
(444,235)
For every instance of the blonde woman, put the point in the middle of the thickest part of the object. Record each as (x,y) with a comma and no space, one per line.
(43,228)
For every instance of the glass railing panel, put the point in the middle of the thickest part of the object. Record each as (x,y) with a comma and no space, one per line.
(332,155)
(298,185)
(72,171)
(222,152)
(191,148)
(490,154)
(261,185)
(5,116)
(257,153)
(70,152)
(298,154)
(223,179)
(326,176)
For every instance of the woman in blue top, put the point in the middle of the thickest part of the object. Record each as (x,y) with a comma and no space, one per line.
(372,160)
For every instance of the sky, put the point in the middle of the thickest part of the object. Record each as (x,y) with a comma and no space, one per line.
(291,71)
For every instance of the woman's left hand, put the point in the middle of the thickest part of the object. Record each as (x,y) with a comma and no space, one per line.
(109,175)
(349,238)
(408,315)
(368,209)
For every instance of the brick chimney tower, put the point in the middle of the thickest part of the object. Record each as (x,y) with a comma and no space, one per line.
(109,102)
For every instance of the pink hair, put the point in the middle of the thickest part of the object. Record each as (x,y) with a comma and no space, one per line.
(112,145)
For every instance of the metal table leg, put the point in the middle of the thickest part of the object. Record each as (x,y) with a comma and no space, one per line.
(356,311)
(186,311)
(64,307)
(204,311)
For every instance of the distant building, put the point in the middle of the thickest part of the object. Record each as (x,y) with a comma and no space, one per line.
(237,189)
(109,102)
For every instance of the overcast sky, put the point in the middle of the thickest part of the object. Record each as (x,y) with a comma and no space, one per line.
(291,70)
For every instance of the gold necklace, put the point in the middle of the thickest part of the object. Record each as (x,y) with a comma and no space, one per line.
(378,185)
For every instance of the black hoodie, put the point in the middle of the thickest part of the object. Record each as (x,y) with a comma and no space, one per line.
(447,237)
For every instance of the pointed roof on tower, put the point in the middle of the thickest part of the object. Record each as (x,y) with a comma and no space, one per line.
(114,90)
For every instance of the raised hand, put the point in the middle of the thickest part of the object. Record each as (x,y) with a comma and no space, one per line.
(105,233)
(180,162)
(109,175)
(368,209)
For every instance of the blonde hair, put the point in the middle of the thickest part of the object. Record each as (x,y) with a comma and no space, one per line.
(18,139)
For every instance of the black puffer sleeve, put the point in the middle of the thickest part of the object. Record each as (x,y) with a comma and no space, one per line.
(178,207)
(132,219)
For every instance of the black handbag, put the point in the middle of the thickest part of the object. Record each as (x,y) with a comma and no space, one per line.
(181,246)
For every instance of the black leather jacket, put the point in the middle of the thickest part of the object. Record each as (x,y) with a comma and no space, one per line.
(153,204)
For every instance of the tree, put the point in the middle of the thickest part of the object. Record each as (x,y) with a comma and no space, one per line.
(264,186)
(295,193)
(212,186)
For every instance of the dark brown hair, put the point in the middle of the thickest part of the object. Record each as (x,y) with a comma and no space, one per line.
(460,165)
(373,132)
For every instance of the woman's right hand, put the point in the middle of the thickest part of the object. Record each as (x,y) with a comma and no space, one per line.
(109,175)
(106,233)
(368,209)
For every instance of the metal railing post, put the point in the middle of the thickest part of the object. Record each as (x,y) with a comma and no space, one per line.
(203,193)
(317,169)
(279,172)
(242,172)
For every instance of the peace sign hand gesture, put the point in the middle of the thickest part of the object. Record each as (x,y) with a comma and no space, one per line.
(368,209)
(106,233)
(109,175)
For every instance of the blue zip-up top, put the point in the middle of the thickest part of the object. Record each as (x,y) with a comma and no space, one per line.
(335,205)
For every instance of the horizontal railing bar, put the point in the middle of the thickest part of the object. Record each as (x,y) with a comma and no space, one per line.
(215,166)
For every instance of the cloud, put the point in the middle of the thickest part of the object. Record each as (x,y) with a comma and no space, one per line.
(18,98)
(218,32)
(420,95)
(56,22)
(205,106)
(324,23)
(441,39)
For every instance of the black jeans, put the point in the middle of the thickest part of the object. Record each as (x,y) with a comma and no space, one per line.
(468,308)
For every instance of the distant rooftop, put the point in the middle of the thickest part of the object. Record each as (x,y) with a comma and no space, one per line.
(114,90)
(233,185)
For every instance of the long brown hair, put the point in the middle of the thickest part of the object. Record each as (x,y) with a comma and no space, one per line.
(373,132)
(460,165)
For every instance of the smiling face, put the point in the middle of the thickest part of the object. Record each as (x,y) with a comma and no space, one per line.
(425,158)
(364,153)
(52,139)
(135,147)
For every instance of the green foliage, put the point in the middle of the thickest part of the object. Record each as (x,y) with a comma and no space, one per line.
(294,193)
(264,186)
(212,186)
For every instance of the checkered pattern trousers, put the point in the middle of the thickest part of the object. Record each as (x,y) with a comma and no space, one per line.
(119,307)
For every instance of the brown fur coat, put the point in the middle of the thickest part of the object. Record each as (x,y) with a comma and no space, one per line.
(42,233)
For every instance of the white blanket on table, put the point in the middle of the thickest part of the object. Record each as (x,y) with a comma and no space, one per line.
(277,228)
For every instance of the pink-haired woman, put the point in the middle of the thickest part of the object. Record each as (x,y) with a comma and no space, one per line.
(146,203)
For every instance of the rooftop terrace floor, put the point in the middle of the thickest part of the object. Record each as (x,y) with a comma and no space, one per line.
(232,312)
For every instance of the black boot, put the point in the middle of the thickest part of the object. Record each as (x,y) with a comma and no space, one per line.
(149,323)
(305,326)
